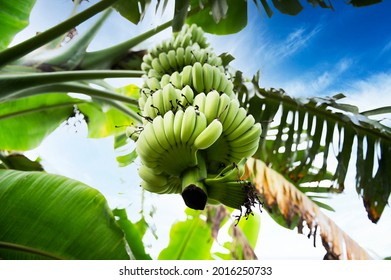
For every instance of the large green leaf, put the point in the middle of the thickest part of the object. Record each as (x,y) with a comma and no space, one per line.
(189,240)
(48,215)
(103,120)
(14,17)
(133,236)
(311,135)
(132,10)
(213,20)
(25,122)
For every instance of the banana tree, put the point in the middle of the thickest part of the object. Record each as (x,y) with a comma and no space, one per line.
(36,77)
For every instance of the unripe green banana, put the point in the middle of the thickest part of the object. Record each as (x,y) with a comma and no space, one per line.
(216,77)
(199,101)
(154,105)
(228,116)
(208,77)
(170,95)
(145,67)
(198,77)
(241,129)
(168,121)
(132,132)
(153,73)
(151,138)
(153,83)
(158,127)
(188,124)
(207,137)
(200,126)
(186,40)
(165,80)
(148,175)
(147,59)
(188,58)
(253,134)
(176,80)
(240,116)
(157,66)
(172,57)
(164,62)
(211,105)
(187,96)
(187,75)
(180,57)
(178,40)
(178,126)
(223,104)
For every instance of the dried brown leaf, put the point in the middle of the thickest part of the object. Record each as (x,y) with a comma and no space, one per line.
(278,194)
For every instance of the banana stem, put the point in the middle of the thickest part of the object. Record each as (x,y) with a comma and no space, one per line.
(72,54)
(194,191)
(111,98)
(45,37)
(103,59)
(10,83)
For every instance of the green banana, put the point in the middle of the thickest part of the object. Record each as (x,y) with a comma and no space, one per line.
(211,105)
(239,117)
(180,57)
(158,127)
(242,128)
(208,77)
(168,123)
(178,126)
(198,77)
(207,137)
(176,80)
(164,62)
(200,126)
(187,75)
(188,124)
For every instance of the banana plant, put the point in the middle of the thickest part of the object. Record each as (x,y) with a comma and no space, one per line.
(35,96)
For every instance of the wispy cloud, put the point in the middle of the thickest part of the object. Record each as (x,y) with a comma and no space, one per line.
(319,82)
(294,42)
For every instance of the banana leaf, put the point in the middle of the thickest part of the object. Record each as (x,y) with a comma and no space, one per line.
(14,17)
(45,216)
(312,138)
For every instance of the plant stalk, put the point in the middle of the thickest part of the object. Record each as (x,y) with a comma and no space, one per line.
(111,98)
(103,59)
(10,83)
(194,191)
(17,51)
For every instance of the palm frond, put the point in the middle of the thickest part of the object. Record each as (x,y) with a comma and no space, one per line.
(305,139)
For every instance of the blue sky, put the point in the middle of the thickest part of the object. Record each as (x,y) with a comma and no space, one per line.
(318,52)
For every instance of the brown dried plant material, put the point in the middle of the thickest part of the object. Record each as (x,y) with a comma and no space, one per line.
(281,196)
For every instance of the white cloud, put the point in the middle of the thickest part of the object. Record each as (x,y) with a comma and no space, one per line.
(320,82)
(294,42)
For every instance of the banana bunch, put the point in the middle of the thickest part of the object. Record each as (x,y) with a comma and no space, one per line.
(195,136)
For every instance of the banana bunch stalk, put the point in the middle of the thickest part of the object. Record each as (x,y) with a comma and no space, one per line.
(195,137)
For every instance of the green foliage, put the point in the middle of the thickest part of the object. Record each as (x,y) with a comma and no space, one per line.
(133,10)
(133,235)
(19,162)
(45,215)
(189,240)
(221,16)
(309,128)
(27,121)
(66,219)
(14,17)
